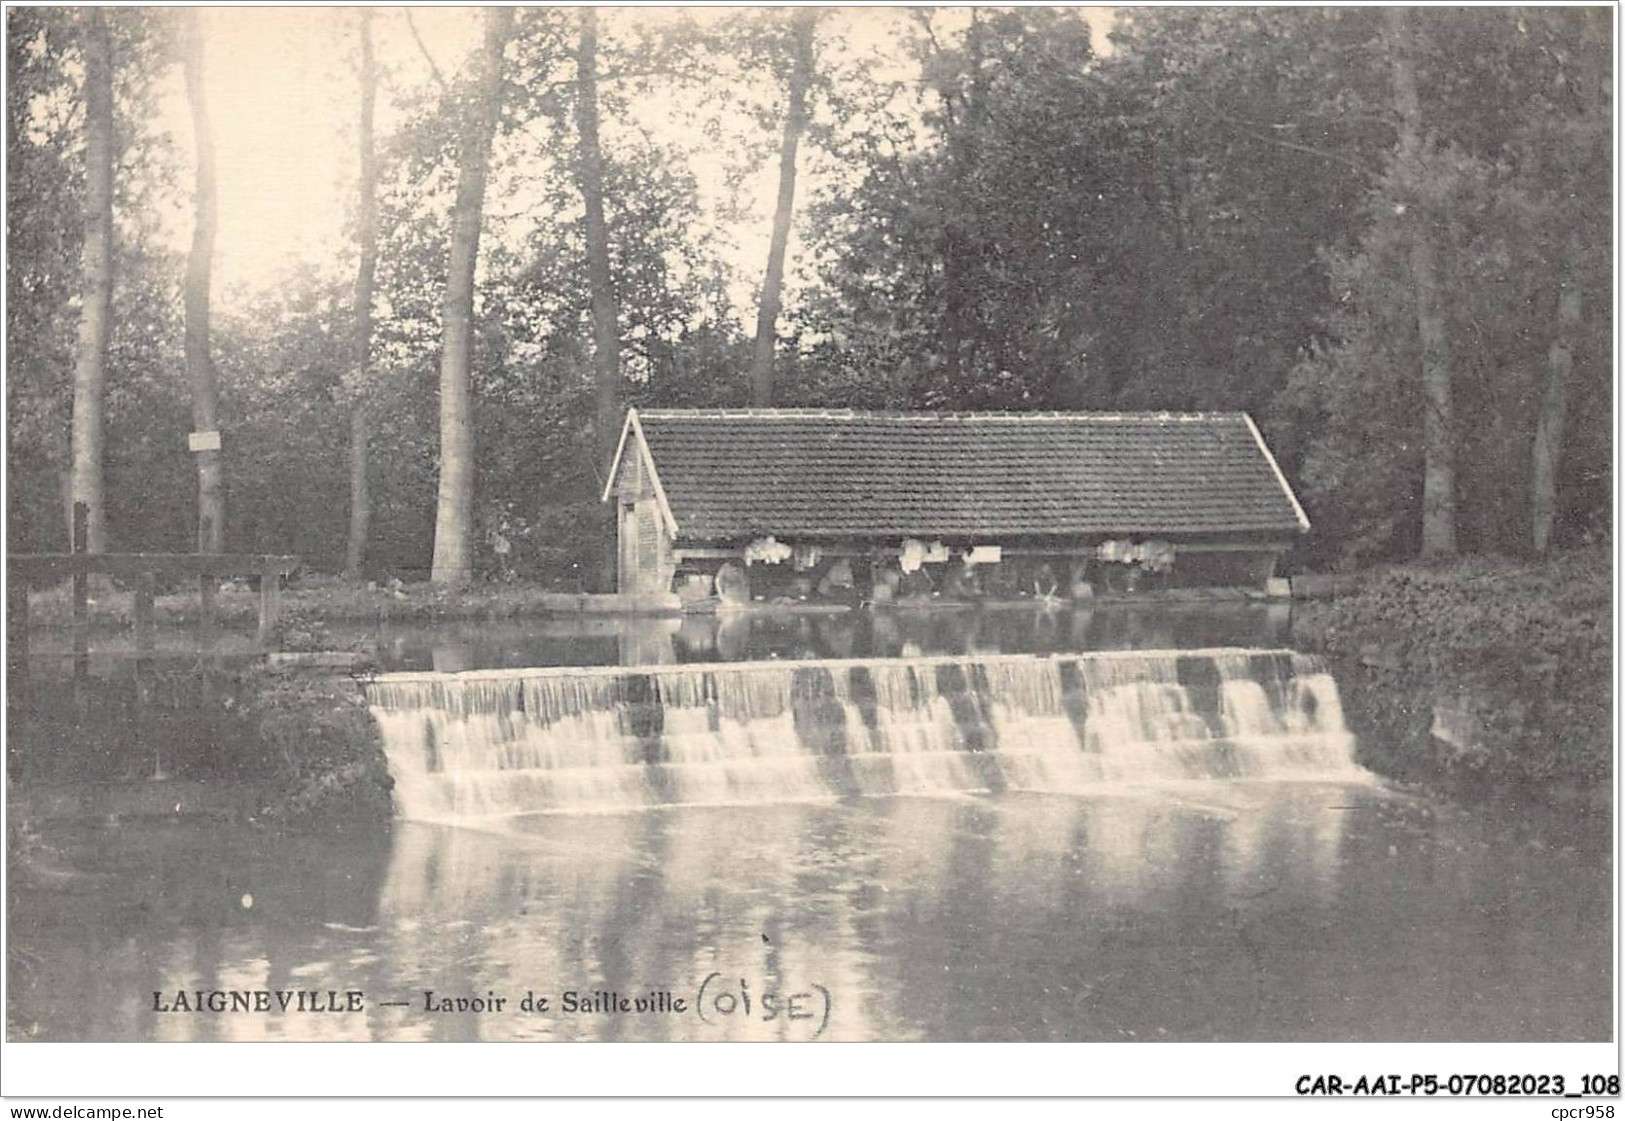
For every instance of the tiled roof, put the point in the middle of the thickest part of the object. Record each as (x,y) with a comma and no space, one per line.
(825,474)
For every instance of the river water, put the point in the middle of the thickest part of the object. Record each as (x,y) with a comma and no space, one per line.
(1157,829)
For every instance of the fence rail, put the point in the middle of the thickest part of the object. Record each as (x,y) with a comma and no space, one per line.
(142,570)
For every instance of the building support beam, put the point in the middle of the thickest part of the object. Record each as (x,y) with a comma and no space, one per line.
(736,553)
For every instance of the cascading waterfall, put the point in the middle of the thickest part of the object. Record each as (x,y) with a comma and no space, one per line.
(529,740)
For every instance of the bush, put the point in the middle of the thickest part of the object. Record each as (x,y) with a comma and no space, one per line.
(1486,671)
(317,745)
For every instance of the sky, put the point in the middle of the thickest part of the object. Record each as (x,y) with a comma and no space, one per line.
(283,104)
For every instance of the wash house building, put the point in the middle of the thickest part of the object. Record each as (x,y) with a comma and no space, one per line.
(812,504)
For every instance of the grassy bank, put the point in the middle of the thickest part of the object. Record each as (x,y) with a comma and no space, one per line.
(1488,674)
(324,598)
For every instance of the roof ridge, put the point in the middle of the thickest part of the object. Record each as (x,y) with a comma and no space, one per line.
(927,416)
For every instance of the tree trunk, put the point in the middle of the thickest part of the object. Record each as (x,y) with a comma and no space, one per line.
(211,499)
(605,313)
(367,240)
(795,123)
(958,245)
(454,517)
(90,359)
(1549,428)
(1438,439)
(1438,427)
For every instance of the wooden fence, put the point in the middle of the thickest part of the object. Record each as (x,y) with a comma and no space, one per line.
(143,571)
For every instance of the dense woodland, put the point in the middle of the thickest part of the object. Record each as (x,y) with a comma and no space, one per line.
(1383,232)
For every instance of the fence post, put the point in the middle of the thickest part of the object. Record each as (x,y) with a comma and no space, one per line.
(206,587)
(81,590)
(144,590)
(270,598)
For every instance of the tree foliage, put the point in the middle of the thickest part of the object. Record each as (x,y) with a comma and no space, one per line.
(45,235)
(994,211)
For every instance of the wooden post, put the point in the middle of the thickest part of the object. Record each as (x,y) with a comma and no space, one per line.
(81,590)
(270,598)
(206,589)
(138,718)
(144,588)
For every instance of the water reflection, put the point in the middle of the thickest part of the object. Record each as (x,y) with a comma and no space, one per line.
(1192,911)
(585,640)
(760,635)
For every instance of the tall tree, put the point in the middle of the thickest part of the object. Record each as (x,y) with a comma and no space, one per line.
(963,94)
(454,517)
(90,361)
(606,335)
(1438,424)
(802,25)
(961,262)
(144,408)
(1565,148)
(44,268)
(606,332)
(367,241)
(199,365)
(1554,412)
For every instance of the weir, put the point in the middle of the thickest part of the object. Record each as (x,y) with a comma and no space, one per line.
(606,738)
